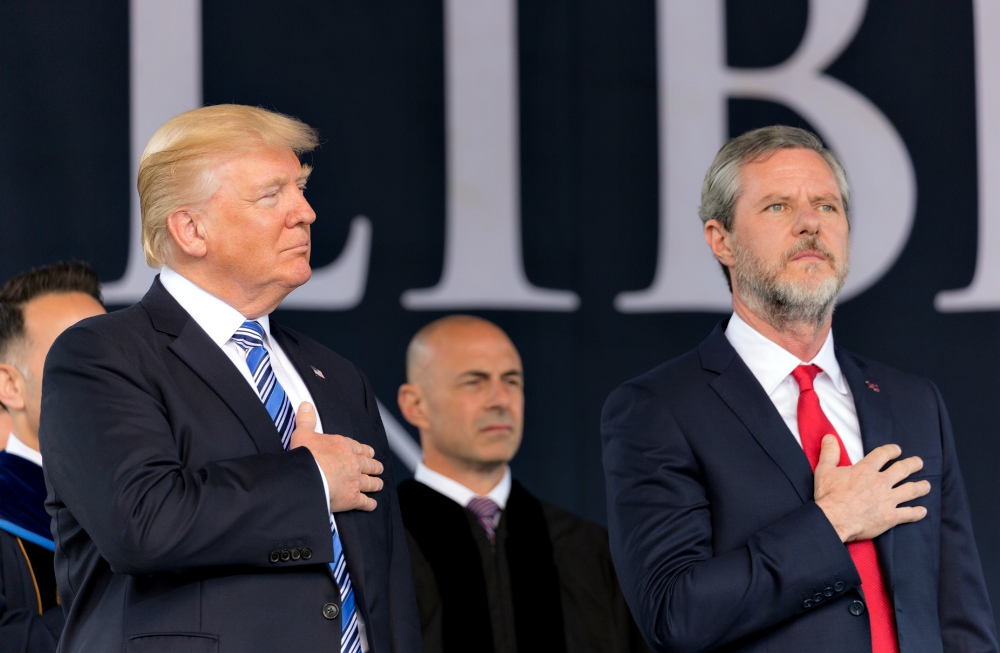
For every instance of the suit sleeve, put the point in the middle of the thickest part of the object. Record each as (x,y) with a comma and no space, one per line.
(112,460)
(405,622)
(967,622)
(685,597)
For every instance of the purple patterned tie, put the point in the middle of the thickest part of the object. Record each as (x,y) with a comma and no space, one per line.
(485,510)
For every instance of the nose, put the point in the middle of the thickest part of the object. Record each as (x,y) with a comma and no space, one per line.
(500,395)
(807,222)
(301,212)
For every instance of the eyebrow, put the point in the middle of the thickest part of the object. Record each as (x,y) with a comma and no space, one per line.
(281,180)
(770,199)
(479,374)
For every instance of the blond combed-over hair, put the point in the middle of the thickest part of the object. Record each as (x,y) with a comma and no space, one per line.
(178,164)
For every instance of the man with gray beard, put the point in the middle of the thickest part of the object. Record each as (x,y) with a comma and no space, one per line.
(770,491)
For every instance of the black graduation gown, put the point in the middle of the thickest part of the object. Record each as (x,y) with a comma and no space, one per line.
(546,583)
(31,618)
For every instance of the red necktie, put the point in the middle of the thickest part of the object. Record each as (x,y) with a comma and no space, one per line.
(813,425)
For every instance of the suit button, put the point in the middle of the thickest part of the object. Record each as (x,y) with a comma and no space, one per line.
(807,604)
(307,553)
(285,555)
(331,610)
(828,592)
(273,556)
(817,597)
(838,586)
(296,554)
(857,608)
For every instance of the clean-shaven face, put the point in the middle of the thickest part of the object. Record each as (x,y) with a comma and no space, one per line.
(474,388)
(45,317)
(257,225)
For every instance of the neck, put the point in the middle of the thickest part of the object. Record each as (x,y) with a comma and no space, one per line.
(22,429)
(801,339)
(480,478)
(251,302)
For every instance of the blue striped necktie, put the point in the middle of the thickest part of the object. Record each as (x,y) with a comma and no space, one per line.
(250,339)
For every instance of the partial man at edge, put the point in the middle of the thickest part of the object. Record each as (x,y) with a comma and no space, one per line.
(35,307)
(197,503)
(495,569)
(770,490)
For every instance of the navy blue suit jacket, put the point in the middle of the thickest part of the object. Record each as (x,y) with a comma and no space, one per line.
(716,538)
(169,489)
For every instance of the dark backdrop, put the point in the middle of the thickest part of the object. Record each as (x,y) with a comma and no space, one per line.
(369,75)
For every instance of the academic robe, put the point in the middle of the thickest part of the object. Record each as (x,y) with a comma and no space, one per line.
(546,583)
(31,618)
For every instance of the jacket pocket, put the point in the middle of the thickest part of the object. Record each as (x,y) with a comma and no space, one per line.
(173,643)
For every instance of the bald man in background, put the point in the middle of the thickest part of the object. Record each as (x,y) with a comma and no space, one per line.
(495,569)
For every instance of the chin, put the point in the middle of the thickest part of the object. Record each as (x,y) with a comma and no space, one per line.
(298,276)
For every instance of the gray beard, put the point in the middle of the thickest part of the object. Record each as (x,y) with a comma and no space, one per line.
(785,305)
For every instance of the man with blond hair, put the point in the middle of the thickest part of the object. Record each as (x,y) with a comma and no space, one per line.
(216,479)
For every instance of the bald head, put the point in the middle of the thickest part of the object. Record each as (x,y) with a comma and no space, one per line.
(427,343)
(465,392)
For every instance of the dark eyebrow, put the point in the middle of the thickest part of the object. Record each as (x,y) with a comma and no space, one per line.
(477,374)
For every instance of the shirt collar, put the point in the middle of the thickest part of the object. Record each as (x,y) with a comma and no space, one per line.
(458,492)
(771,364)
(17,448)
(218,319)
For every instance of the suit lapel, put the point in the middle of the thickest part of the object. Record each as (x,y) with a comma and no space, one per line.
(196,350)
(738,387)
(335,420)
(875,422)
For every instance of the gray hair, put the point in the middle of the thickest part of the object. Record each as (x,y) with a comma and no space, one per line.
(722,187)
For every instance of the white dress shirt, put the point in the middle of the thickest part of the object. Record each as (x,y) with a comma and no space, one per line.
(17,448)
(772,366)
(461,494)
(220,321)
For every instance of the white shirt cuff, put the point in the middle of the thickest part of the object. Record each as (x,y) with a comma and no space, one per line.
(326,486)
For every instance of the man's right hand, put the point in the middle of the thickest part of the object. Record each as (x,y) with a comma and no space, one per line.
(861,501)
(349,466)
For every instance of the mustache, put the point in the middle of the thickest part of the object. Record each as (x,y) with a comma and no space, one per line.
(811,243)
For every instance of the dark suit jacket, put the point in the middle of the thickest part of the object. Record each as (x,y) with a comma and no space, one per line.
(717,540)
(169,489)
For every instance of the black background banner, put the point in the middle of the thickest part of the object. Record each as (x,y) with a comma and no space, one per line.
(370,76)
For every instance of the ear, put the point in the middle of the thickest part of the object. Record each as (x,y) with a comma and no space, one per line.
(413,405)
(11,387)
(188,231)
(720,240)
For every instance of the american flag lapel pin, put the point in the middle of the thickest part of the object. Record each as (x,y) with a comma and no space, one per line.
(318,372)
(873,386)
